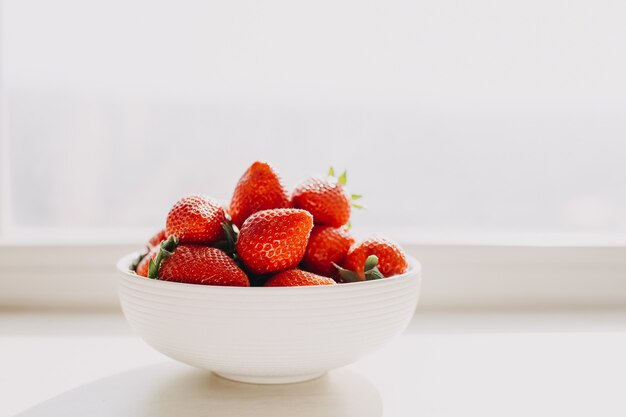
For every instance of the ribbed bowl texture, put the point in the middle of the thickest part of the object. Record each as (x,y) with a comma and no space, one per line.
(268,335)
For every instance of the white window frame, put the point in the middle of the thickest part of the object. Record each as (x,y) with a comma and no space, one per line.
(82,275)
(523,274)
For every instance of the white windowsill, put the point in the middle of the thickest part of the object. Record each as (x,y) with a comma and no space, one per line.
(79,271)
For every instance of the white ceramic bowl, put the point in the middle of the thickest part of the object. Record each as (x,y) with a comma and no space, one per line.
(268,335)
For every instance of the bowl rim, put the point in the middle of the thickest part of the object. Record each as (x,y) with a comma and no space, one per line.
(124,263)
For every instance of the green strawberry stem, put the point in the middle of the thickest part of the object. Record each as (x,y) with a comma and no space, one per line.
(230,243)
(167,249)
(371,268)
(355,197)
(347,275)
(371,271)
(231,231)
(343,180)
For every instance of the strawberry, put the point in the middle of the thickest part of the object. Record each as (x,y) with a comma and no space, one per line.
(195,264)
(297,278)
(195,219)
(325,199)
(140,265)
(274,240)
(327,245)
(371,257)
(260,188)
(144,261)
(157,239)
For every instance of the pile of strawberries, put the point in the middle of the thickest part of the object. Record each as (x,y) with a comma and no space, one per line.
(266,238)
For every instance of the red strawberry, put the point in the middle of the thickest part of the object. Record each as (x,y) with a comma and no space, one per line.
(297,278)
(325,199)
(327,245)
(260,188)
(195,219)
(157,239)
(274,240)
(196,264)
(391,259)
(142,266)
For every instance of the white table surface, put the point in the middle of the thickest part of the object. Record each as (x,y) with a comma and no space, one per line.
(446,364)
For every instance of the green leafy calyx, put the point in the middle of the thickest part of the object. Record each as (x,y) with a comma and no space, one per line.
(343,180)
(370,273)
(347,275)
(371,268)
(166,250)
(228,244)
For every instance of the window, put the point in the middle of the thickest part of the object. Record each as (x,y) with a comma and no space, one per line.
(483,117)
(459,122)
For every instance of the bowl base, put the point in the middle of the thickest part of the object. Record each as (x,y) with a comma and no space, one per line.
(254,379)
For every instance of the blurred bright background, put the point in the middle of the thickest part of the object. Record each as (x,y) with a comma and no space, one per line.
(479,118)
(487,137)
